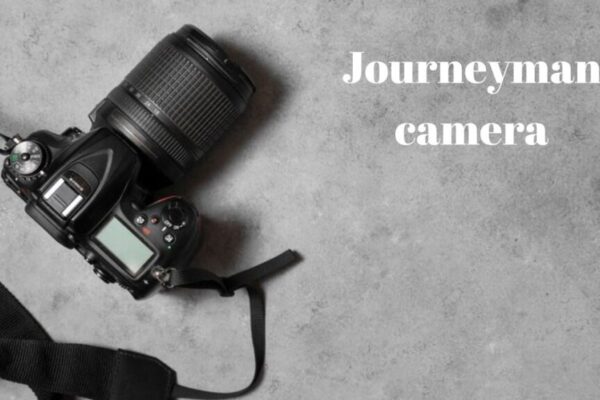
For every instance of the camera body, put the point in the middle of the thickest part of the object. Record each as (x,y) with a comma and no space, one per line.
(83,189)
(94,191)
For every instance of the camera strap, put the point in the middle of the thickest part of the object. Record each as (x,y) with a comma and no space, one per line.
(59,371)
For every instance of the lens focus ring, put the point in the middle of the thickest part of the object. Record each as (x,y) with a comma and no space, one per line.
(185,94)
(181,98)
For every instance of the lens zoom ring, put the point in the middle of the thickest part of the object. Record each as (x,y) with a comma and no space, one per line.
(185,94)
(151,126)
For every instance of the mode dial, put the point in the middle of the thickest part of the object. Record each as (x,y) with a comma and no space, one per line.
(26,158)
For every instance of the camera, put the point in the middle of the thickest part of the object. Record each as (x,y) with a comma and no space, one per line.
(94,192)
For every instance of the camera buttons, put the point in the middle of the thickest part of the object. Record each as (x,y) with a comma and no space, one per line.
(140,220)
(104,276)
(154,220)
(169,238)
(90,257)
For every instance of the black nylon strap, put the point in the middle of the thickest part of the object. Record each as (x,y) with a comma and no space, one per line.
(17,322)
(27,354)
(195,278)
(86,371)
(257,321)
(202,279)
(60,371)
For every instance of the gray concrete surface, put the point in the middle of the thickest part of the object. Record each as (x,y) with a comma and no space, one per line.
(429,273)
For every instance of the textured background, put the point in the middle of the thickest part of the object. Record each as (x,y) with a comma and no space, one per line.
(429,273)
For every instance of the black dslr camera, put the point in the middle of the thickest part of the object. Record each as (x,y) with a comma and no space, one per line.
(92,191)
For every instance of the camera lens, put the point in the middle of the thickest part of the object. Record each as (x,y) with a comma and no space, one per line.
(177,101)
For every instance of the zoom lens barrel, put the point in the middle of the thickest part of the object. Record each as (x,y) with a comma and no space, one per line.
(178,101)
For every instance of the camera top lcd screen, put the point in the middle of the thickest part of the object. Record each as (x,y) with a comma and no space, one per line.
(124,245)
